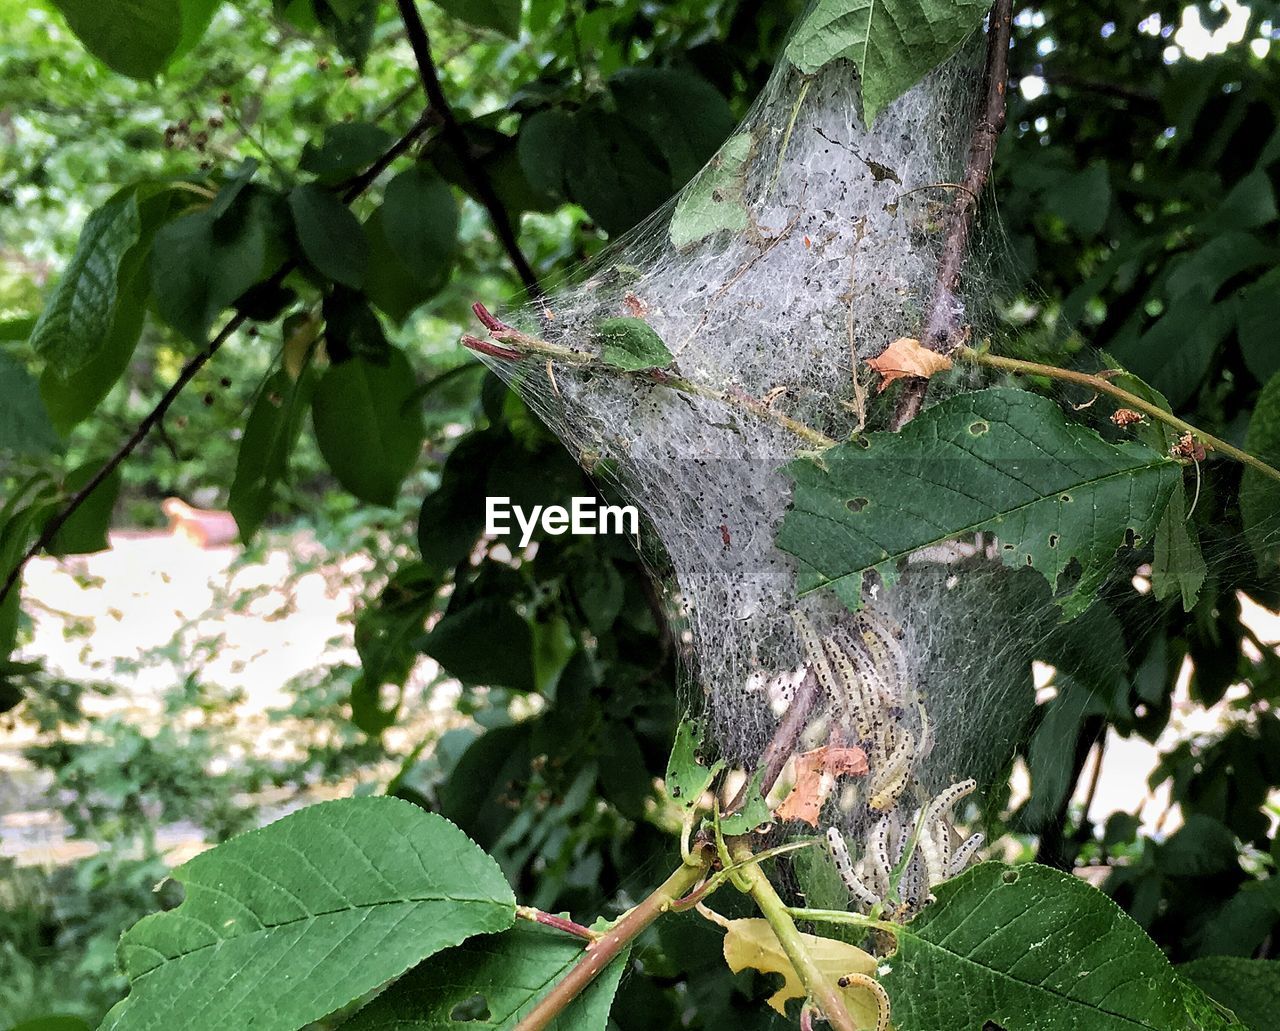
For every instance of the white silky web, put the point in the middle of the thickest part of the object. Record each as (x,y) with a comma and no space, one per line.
(806,246)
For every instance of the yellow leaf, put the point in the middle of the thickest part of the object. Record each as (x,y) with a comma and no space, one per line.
(752,943)
(906,357)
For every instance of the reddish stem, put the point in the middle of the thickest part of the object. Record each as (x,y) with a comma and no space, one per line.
(560,923)
(490,321)
(491,349)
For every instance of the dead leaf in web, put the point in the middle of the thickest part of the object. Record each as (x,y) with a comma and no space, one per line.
(752,943)
(816,773)
(907,357)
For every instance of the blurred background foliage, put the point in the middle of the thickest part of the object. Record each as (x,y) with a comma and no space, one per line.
(1135,191)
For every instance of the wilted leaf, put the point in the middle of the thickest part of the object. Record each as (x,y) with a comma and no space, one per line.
(752,944)
(907,357)
(816,773)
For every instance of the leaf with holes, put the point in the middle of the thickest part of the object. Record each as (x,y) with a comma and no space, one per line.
(687,777)
(490,984)
(1003,461)
(1032,948)
(893,43)
(285,925)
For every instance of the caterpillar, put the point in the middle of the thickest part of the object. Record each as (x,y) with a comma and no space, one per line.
(875,988)
(891,778)
(879,853)
(813,651)
(941,806)
(855,684)
(964,854)
(844,866)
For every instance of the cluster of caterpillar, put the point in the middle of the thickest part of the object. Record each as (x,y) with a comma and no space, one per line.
(933,858)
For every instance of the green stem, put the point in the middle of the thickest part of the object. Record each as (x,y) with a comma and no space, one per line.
(821,989)
(1101,385)
(839,916)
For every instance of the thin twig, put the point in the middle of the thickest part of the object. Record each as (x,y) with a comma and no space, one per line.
(942,323)
(602,952)
(1103,386)
(514,345)
(456,137)
(560,923)
(349,191)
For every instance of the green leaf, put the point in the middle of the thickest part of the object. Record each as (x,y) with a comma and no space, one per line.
(420,219)
(347,147)
(687,777)
(714,200)
(25,427)
(389,284)
(543,146)
(684,115)
(754,812)
(330,235)
(1175,353)
(500,15)
(1177,566)
(86,531)
(133,37)
(1250,988)
(1082,199)
(1201,847)
(893,43)
(1250,204)
(615,172)
(502,977)
(1030,947)
(999,460)
(52,1023)
(486,642)
(270,434)
(1260,494)
(631,344)
(1258,325)
(201,264)
(287,924)
(351,329)
(79,313)
(367,425)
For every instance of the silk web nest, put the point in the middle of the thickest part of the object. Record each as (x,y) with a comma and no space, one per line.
(806,245)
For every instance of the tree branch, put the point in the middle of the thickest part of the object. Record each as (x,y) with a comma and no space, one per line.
(349,191)
(602,952)
(456,137)
(942,324)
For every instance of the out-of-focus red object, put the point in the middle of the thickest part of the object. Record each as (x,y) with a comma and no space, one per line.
(206,528)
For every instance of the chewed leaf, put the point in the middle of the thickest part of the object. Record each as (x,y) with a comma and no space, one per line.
(754,811)
(1030,947)
(893,43)
(331,902)
(687,777)
(752,944)
(1003,461)
(714,200)
(631,344)
(907,357)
